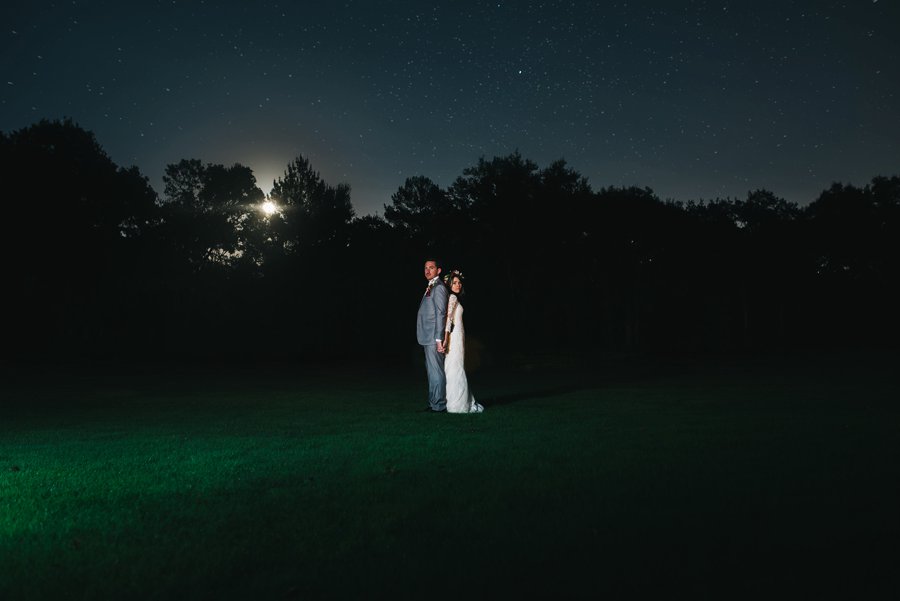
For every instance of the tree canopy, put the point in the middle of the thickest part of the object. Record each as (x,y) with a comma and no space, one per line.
(102,265)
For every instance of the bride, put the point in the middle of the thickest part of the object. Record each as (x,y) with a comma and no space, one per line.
(459,399)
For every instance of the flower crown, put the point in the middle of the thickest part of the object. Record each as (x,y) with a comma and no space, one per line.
(456,273)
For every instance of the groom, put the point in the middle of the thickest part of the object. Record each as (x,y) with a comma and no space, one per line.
(430,332)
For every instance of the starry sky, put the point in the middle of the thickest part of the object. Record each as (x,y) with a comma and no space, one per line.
(694,99)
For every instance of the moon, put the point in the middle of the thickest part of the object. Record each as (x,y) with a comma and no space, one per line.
(269,208)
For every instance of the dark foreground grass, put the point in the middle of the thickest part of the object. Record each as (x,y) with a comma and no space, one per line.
(712,479)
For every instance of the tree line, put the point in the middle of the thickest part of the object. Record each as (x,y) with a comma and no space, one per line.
(100,265)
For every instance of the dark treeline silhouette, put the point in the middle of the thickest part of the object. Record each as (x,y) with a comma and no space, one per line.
(100,265)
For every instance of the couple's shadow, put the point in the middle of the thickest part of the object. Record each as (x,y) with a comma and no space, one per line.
(524,395)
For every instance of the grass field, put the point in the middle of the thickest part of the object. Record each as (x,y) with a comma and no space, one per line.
(711,478)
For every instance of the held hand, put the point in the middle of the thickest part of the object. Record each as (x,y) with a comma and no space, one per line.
(446,343)
(440,347)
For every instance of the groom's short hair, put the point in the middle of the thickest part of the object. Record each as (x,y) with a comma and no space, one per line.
(437,262)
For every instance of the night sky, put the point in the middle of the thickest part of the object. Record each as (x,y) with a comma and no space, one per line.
(696,100)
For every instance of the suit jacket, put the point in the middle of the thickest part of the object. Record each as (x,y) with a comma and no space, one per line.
(432,316)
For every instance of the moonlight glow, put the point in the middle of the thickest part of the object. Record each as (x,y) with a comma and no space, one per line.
(269,208)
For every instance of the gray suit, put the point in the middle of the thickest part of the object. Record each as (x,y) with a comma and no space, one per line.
(430,324)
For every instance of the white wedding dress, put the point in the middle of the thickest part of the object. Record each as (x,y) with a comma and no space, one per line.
(459,399)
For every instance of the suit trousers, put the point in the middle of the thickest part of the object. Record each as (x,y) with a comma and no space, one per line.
(437,382)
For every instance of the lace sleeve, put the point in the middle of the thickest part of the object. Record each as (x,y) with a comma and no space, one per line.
(451,313)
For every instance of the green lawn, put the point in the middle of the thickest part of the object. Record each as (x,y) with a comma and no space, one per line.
(684,477)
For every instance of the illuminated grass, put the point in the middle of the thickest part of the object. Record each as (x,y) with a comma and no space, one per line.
(234,485)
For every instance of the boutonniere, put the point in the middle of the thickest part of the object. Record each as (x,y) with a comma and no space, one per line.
(430,286)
